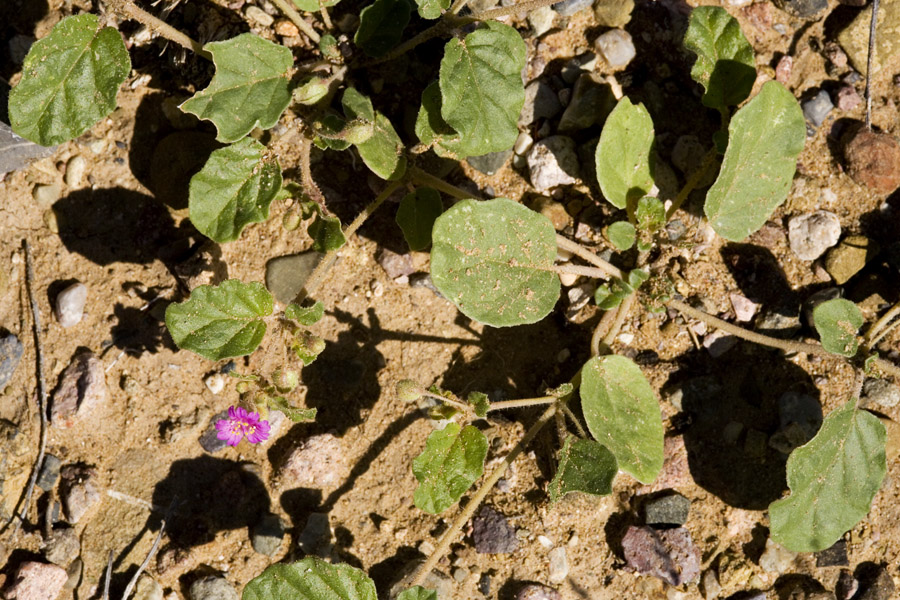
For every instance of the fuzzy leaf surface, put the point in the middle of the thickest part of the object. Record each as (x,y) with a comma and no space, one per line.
(233,189)
(221,321)
(382,152)
(584,466)
(481,88)
(833,479)
(326,234)
(381,26)
(305,315)
(417,214)
(622,235)
(624,153)
(837,322)
(310,579)
(492,260)
(249,89)
(431,128)
(452,461)
(432,9)
(623,414)
(297,415)
(725,65)
(69,81)
(765,138)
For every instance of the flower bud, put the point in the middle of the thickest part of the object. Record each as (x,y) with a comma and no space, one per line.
(409,391)
(291,220)
(310,92)
(358,131)
(285,380)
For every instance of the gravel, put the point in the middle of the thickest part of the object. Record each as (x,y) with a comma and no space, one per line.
(881,392)
(616,48)
(37,581)
(669,555)
(811,234)
(82,389)
(10,356)
(873,159)
(62,546)
(266,536)
(212,588)
(49,473)
(776,559)
(671,509)
(79,492)
(285,275)
(492,533)
(559,565)
(816,109)
(534,591)
(317,462)
(70,302)
(552,162)
(541,102)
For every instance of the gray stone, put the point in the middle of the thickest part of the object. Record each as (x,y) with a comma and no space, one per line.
(49,472)
(16,152)
(492,533)
(37,581)
(79,492)
(267,535)
(710,585)
(394,265)
(10,356)
(286,275)
(46,194)
(816,109)
(590,104)
(212,588)
(70,302)
(148,589)
(81,390)
(74,573)
(847,585)
(802,409)
(811,234)
(535,591)
(774,323)
(776,559)
(667,510)
(316,462)
(669,554)
(881,392)
(423,280)
(541,20)
(552,162)
(559,565)
(62,546)
(578,65)
(810,10)
(567,8)
(316,537)
(489,163)
(541,102)
(210,441)
(616,48)
(833,556)
(259,16)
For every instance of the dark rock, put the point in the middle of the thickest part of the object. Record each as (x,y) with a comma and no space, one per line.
(873,159)
(212,588)
(62,546)
(534,591)
(49,472)
(10,356)
(667,510)
(210,441)
(833,556)
(492,533)
(267,535)
(489,163)
(669,554)
(484,584)
(816,109)
(846,586)
(810,10)
(82,389)
(875,583)
(424,280)
(802,409)
(17,152)
(394,265)
(567,8)
(591,103)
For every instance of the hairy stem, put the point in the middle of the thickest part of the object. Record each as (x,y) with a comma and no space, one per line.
(309,184)
(478,497)
(326,18)
(521,402)
(624,309)
(128,9)
(291,13)
(451,401)
(880,327)
(598,346)
(585,254)
(565,408)
(691,183)
(595,272)
(504,11)
(423,178)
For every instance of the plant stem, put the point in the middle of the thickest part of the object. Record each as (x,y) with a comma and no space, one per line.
(457,6)
(127,9)
(521,402)
(606,321)
(478,497)
(880,327)
(691,183)
(453,402)
(434,31)
(585,254)
(505,11)
(565,408)
(326,18)
(108,577)
(594,272)
(423,178)
(873,24)
(309,184)
(291,13)
(624,309)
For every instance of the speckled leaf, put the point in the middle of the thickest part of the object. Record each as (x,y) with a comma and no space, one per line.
(764,139)
(432,130)
(326,234)
(621,234)
(221,321)
(624,153)
(725,64)
(481,88)
(381,26)
(837,322)
(493,259)
(417,214)
(305,315)
(310,579)
(833,480)
(383,151)
(418,593)
(623,414)
(584,466)
(249,89)
(479,402)
(452,461)
(432,9)
(313,5)
(69,81)
(233,189)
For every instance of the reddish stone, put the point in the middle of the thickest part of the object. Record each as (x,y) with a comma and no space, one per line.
(37,581)
(873,160)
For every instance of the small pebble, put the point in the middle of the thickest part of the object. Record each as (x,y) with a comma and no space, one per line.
(49,473)
(568,279)
(45,195)
(62,546)
(553,162)
(267,535)
(881,392)
(848,98)
(744,308)
(783,69)
(212,587)
(671,509)
(81,390)
(394,265)
(215,383)
(541,102)
(849,257)
(37,581)
(776,559)
(316,462)
(258,16)
(668,554)
(460,574)
(492,533)
(613,13)
(835,55)
(70,305)
(541,20)
(567,8)
(833,556)
(489,163)
(285,28)
(616,47)
(816,109)
(148,589)
(210,441)
(710,585)
(75,170)
(873,159)
(10,355)
(847,585)
(316,537)
(559,565)
(79,492)
(809,10)
(534,591)
(811,234)
(523,143)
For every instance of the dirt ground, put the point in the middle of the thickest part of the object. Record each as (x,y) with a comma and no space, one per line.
(113,234)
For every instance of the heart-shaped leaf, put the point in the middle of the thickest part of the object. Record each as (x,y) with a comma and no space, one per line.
(383,150)
(310,579)
(431,129)
(452,461)
(381,26)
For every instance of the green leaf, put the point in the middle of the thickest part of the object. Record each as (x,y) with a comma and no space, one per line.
(233,189)
(69,81)
(297,415)
(623,414)
(584,466)
(311,91)
(431,129)
(837,322)
(452,461)
(383,151)
(418,593)
(765,137)
(305,315)
(307,346)
(621,234)
(381,26)
(624,154)
(221,321)
(310,579)
(493,259)
(249,89)
(326,234)
(610,295)
(313,5)
(328,45)
(650,214)
(417,214)
(833,479)
(725,65)
(329,132)
(431,9)
(480,403)
(481,88)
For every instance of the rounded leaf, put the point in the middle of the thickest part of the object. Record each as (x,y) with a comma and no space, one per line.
(624,153)
(310,579)
(452,461)
(493,259)
(621,234)
(837,322)
(381,26)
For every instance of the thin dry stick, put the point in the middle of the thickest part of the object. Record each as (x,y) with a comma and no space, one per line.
(872,26)
(143,566)
(457,6)
(595,272)
(108,576)
(585,254)
(291,13)
(879,327)
(606,321)
(434,31)
(128,9)
(326,18)
(478,497)
(503,405)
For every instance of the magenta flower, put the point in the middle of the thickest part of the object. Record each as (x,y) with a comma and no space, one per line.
(240,423)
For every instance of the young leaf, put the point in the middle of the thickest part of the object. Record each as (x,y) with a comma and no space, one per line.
(310,579)
(297,415)
(837,322)
(69,81)
(381,26)
(326,234)
(725,65)
(382,151)
(307,347)
(610,295)
(452,461)
(624,153)
(492,259)
(418,593)
(221,321)
(765,137)
(481,88)
(233,189)
(650,214)
(479,402)
(833,479)
(431,129)
(417,214)
(249,89)
(623,414)
(621,234)
(313,5)
(431,9)
(584,466)
(305,315)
